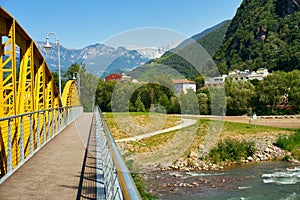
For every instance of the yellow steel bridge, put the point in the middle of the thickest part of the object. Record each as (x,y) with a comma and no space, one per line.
(32,113)
(30,105)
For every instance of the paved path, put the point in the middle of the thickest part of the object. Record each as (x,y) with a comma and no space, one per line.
(185,123)
(53,172)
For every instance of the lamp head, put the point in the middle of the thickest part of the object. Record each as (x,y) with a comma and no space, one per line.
(47,46)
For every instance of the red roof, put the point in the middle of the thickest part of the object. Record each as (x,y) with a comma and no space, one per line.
(113,77)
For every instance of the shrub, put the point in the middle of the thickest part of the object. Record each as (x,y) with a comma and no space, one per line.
(290,143)
(232,150)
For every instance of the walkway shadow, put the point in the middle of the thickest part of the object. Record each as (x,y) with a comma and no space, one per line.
(87,188)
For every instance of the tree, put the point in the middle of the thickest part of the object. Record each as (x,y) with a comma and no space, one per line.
(238,96)
(203,103)
(272,89)
(139,104)
(104,93)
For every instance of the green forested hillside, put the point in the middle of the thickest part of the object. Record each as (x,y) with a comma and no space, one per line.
(263,33)
(210,40)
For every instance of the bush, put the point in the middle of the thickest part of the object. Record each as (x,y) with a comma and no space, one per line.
(232,150)
(290,143)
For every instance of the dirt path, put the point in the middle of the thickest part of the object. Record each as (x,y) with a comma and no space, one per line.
(185,123)
(276,121)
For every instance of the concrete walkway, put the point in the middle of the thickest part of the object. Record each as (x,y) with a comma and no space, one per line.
(53,172)
(185,123)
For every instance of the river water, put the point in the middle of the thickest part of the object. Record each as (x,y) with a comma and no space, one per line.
(265,180)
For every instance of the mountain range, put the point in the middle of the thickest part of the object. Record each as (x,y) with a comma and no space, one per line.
(178,67)
(101,59)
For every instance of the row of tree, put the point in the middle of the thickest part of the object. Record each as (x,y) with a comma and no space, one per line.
(278,93)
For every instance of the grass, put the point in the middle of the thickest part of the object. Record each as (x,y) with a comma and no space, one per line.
(149,144)
(124,125)
(290,143)
(229,130)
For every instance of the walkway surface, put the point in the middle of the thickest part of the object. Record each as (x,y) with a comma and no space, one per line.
(185,123)
(54,172)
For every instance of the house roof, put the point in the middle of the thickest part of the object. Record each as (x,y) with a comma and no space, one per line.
(182,81)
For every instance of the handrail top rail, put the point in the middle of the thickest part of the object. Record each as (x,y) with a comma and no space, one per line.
(34,112)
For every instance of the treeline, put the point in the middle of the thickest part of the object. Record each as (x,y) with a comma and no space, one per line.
(87,81)
(278,93)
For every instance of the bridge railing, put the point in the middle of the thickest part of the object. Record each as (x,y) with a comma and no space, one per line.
(111,168)
(21,136)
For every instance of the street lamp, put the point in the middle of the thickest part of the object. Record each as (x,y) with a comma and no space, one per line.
(47,47)
(77,76)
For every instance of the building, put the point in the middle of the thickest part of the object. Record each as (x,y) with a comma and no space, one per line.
(113,77)
(247,75)
(215,81)
(184,85)
(238,75)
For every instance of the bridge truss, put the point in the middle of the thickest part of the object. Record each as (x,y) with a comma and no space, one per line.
(31,110)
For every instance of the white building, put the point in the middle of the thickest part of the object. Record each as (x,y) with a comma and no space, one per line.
(215,81)
(184,85)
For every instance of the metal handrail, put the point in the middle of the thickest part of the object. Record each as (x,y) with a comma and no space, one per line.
(118,169)
(37,128)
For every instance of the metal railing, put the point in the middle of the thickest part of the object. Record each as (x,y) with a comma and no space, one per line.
(21,136)
(115,178)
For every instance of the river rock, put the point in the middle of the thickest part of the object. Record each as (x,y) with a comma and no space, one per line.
(250,159)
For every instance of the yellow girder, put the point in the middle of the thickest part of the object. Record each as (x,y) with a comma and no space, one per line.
(26,85)
(70,95)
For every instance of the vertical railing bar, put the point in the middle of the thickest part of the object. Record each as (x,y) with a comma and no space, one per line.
(31,134)
(44,127)
(49,126)
(53,121)
(38,131)
(9,148)
(21,139)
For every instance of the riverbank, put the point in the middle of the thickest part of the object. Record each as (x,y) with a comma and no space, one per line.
(265,151)
(263,180)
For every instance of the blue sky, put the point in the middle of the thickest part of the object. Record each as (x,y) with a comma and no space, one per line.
(80,23)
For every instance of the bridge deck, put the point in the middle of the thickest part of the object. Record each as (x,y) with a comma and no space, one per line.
(54,172)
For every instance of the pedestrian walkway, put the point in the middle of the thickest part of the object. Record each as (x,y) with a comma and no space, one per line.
(53,172)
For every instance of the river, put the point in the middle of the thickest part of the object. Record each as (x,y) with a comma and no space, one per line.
(265,180)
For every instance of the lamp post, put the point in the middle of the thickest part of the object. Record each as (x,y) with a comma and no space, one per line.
(77,76)
(47,47)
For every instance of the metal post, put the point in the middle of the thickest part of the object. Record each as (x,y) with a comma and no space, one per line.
(38,131)
(44,127)
(49,125)
(21,140)
(59,75)
(48,46)
(31,135)
(53,127)
(9,148)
